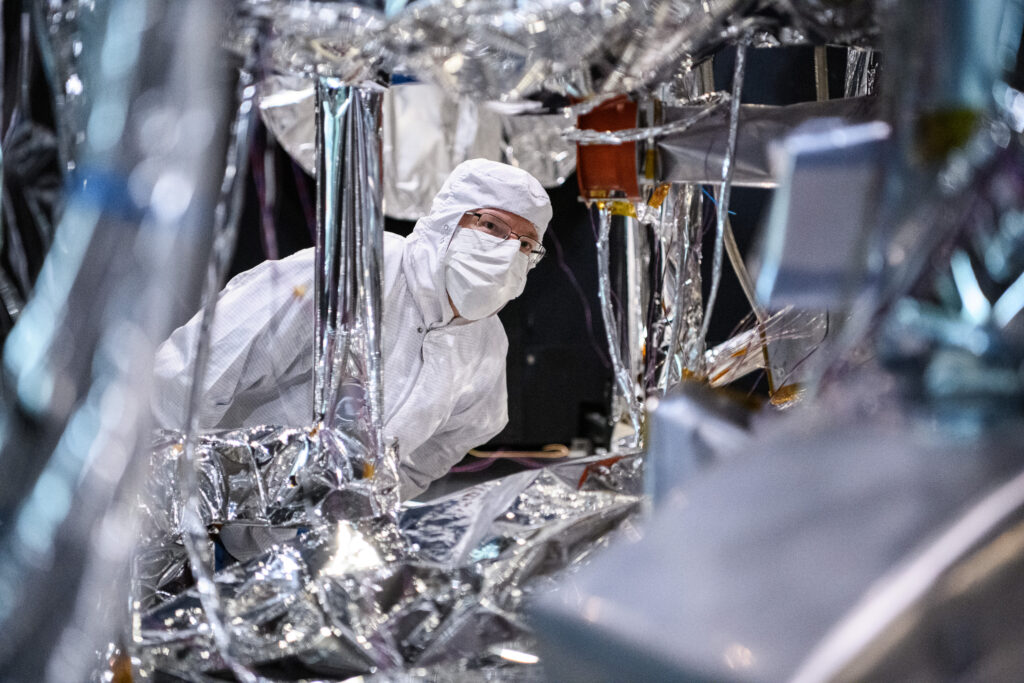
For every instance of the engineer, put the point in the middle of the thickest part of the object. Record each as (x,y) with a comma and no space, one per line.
(443,345)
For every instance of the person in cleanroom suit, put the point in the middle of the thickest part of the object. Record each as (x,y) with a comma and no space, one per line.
(443,346)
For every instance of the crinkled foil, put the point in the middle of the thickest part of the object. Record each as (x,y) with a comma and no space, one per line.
(499,49)
(342,40)
(349,264)
(861,72)
(287,106)
(255,484)
(536,144)
(676,345)
(440,590)
(674,32)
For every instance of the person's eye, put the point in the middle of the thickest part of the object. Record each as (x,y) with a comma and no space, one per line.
(490,227)
(525,246)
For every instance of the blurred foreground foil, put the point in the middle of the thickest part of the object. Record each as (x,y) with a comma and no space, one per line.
(438,593)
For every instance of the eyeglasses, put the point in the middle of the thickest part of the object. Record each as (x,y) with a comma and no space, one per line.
(495,226)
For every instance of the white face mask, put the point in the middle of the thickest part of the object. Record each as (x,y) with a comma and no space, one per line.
(483,273)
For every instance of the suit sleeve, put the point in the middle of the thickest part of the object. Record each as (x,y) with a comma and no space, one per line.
(261,332)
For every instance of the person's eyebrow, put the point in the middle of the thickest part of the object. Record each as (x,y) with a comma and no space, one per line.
(528,229)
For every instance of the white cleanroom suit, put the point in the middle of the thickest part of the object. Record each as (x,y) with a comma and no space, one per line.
(443,376)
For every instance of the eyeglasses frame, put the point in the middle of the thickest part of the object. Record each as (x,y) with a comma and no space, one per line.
(537,250)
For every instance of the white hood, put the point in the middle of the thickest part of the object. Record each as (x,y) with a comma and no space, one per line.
(474,184)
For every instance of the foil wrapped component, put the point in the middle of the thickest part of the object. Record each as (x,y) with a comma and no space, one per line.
(252,483)
(439,589)
(349,264)
(287,105)
(499,49)
(674,32)
(427,133)
(615,137)
(342,40)
(676,335)
(696,154)
(536,145)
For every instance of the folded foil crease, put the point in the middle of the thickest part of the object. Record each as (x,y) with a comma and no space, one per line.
(269,477)
(696,154)
(426,134)
(498,49)
(535,144)
(349,265)
(439,588)
(677,349)
(511,51)
(790,335)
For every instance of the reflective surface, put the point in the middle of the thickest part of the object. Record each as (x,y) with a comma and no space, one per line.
(349,264)
(442,588)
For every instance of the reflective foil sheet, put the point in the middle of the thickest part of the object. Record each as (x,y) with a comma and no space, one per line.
(427,133)
(674,32)
(696,154)
(349,265)
(627,398)
(783,342)
(676,344)
(441,591)
(536,144)
(287,106)
(257,486)
(340,40)
(498,49)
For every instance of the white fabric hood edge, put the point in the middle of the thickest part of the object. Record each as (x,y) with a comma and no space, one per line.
(473,184)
